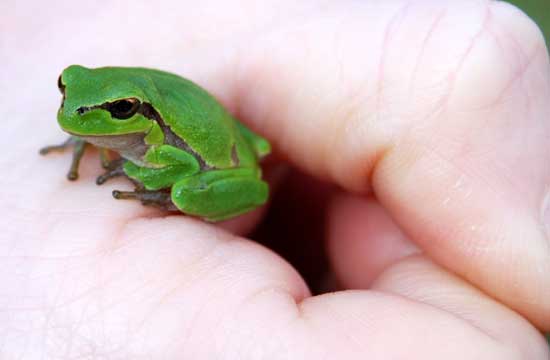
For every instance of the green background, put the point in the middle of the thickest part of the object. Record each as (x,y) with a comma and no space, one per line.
(538,10)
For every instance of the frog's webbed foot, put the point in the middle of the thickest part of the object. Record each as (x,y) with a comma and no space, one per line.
(160,199)
(78,145)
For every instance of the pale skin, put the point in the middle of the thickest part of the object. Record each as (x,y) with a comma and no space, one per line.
(432,117)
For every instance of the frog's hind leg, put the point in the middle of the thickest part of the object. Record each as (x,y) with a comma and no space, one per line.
(220,194)
(158,198)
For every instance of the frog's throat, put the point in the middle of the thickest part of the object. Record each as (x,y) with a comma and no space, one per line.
(129,146)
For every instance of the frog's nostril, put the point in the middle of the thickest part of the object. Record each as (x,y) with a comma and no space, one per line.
(83,109)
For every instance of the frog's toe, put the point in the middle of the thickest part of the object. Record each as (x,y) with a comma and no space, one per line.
(102,179)
(114,168)
(72,175)
(71,141)
(159,199)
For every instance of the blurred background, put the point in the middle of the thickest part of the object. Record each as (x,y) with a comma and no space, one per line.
(539,10)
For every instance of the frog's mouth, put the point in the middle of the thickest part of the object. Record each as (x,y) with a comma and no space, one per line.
(116,142)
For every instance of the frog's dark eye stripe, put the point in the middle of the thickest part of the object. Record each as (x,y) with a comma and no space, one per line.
(119,109)
(124,108)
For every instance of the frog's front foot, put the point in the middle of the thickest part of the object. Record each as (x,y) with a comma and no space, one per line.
(160,199)
(78,145)
(114,169)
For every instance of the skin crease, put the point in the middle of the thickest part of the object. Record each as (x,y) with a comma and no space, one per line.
(438,108)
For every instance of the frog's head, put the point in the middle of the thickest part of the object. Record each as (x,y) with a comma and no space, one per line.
(104,101)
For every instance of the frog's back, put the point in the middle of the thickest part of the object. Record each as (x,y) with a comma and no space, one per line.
(198,118)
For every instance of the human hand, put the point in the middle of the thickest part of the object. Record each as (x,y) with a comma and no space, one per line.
(438,108)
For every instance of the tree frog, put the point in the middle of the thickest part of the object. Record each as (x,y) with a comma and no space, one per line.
(177,144)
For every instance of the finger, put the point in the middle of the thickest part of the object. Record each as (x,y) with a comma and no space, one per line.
(413,105)
(153,287)
(363,240)
(168,286)
(418,279)
(427,312)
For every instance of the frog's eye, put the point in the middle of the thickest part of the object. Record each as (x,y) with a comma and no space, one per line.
(60,85)
(123,109)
